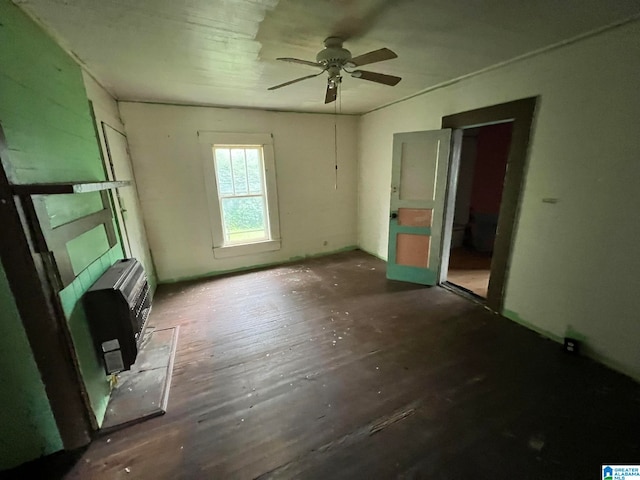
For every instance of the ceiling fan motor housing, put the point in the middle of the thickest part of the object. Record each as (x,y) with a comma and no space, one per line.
(333,54)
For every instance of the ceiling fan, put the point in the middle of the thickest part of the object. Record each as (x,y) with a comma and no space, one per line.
(334,59)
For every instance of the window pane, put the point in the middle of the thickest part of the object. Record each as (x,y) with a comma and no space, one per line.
(244,219)
(254,170)
(239,171)
(223,171)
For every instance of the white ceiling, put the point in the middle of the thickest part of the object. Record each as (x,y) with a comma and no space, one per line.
(222,52)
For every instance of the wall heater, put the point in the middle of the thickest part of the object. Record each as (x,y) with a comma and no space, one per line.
(117,307)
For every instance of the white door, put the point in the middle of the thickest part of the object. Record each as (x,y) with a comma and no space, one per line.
(128,211)
(418,193)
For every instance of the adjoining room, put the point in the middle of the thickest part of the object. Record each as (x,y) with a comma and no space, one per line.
(483,163)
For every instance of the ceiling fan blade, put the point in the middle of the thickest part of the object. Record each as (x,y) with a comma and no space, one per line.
(332,93)
(295,81)
(373,57)
(376,77)
(302,62)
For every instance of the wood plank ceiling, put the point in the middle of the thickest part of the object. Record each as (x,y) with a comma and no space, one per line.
(222,52)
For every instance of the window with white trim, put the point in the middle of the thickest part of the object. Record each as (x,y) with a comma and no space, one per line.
(242,193)
(240,172)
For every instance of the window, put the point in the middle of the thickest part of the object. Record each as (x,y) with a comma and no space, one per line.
(242,193)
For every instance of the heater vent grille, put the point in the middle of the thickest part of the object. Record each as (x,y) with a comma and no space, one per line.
(117,308)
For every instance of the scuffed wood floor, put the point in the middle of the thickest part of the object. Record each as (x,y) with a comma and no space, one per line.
(324,369)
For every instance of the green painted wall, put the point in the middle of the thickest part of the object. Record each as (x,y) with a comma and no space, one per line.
(97,238)
(27,426)
(43,106)
(91,368)
(45,115)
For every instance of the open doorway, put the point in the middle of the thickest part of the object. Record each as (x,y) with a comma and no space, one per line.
(506,126)
(483,162)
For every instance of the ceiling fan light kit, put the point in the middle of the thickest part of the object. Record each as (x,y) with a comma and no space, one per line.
(334,59)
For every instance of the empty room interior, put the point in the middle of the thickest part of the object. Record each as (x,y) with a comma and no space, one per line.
(319,239)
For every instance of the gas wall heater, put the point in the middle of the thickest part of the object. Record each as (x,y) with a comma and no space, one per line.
(117,307)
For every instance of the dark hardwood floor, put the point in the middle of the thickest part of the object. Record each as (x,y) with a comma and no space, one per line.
(324,369)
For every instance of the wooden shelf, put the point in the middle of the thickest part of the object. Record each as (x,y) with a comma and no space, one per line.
(66,187)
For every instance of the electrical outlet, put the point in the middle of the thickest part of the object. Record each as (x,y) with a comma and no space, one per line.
(571,345)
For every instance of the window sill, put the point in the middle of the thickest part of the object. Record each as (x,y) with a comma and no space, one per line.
(246,249)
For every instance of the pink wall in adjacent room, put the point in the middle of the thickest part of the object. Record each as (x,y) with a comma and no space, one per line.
(492,151)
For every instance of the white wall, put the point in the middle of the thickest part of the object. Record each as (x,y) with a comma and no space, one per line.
(106,110)
(575,263)
(315,218)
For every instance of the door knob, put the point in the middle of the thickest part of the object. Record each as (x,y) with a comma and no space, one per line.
(394,215)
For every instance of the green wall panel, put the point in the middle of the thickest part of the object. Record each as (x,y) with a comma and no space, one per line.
(86,248)
(90,366)
(64,208)
(45,114)
(43,106)
(26,422)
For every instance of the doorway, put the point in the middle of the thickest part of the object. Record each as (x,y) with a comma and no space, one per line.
(488,239)
(483,163)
